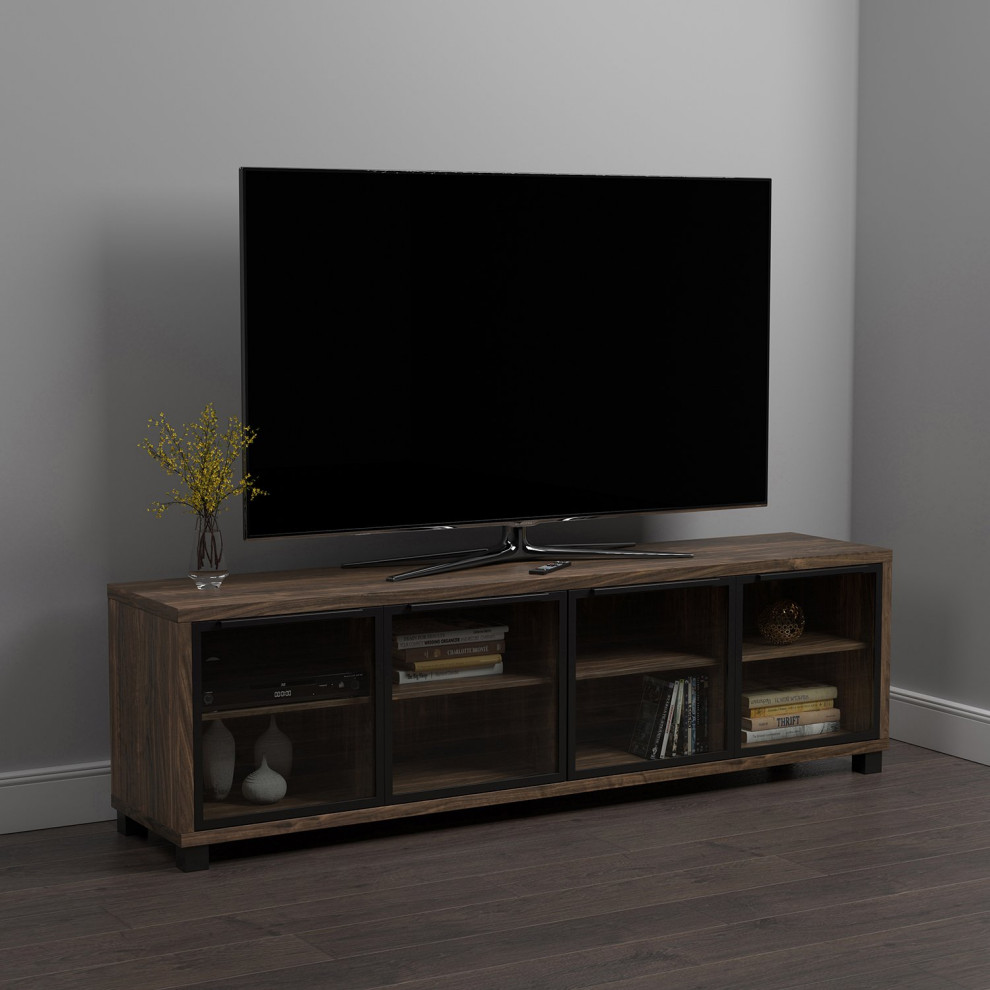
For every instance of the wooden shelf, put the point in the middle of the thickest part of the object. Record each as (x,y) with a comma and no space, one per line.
(466,685)
(296,706)
(638,661)
(810,644)
(424,777)
(824,739)
(236,807)
(599,756)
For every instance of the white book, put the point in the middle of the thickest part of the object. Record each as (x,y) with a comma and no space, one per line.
(425,676)
(811,729)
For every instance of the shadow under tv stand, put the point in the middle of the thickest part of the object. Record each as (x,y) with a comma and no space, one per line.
(515,546)
(378,701)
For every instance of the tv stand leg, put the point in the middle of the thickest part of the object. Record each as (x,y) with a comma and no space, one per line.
(127,826)
(192,859)
(413,558)
(476,552)
(515,546)
(867,762)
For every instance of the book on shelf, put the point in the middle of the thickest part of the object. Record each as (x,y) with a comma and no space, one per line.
(688,742)
(449,663)
(788,719)
(425,630)
(702,692)
(673,718)
(689,733)
(681,737)
(650,712)
(426,676)
(784,692)
(654,749)
(799,706)
(794,731)
(451,650)
(666,747)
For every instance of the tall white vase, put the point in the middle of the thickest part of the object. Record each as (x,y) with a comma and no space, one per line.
(218,761)
(274,746)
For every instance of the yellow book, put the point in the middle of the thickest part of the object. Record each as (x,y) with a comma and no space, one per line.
(449,663)
(798,706)
(785,693)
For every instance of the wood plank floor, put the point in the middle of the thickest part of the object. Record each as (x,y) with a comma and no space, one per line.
(810,876)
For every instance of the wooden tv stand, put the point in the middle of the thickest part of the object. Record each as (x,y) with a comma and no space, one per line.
(558,717)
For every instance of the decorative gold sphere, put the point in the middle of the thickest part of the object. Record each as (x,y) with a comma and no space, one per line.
(781,623)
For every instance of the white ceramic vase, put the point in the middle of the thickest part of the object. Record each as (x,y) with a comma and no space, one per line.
(264,785)
(218,761)
(274,746)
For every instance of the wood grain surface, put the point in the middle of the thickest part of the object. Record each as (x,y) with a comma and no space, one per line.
(317,590)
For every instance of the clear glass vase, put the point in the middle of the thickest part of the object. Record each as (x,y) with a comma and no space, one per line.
(208,564)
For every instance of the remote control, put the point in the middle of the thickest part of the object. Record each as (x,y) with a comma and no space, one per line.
(555,565)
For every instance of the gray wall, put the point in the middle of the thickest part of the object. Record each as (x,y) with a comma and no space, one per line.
(123,125)
(922,401)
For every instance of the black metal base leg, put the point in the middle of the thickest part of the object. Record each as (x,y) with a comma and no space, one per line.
(516,546)
(867,762)
(190,859)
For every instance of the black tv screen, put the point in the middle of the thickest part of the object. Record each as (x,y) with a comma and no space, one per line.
(428,349)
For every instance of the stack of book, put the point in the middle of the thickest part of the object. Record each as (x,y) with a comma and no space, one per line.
(673,718)
(787,710)
(431,649)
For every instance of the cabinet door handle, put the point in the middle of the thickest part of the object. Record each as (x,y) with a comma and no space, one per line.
(272,620)
(472,602)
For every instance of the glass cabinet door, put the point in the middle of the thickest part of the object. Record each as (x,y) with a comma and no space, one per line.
(810,659)
(650,667)
(286,717)
(475,696)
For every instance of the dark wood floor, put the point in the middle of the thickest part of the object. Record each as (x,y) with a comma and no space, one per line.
(810,876)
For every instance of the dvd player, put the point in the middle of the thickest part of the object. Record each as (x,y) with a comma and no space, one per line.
(247,693)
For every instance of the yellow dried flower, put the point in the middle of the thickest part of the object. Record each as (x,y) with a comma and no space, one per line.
(203,458)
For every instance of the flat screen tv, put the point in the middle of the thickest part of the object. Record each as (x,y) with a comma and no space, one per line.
(425,350)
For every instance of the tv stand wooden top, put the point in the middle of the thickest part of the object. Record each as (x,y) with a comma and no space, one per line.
(334,588)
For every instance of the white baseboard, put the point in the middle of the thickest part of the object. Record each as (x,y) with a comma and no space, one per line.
(55,796)
(945,726)
(73,795)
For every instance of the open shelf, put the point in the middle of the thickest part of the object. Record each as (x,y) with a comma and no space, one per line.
(478,732)
(636,637)
(838,648)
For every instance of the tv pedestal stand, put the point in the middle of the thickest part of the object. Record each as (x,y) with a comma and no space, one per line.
(515,546)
